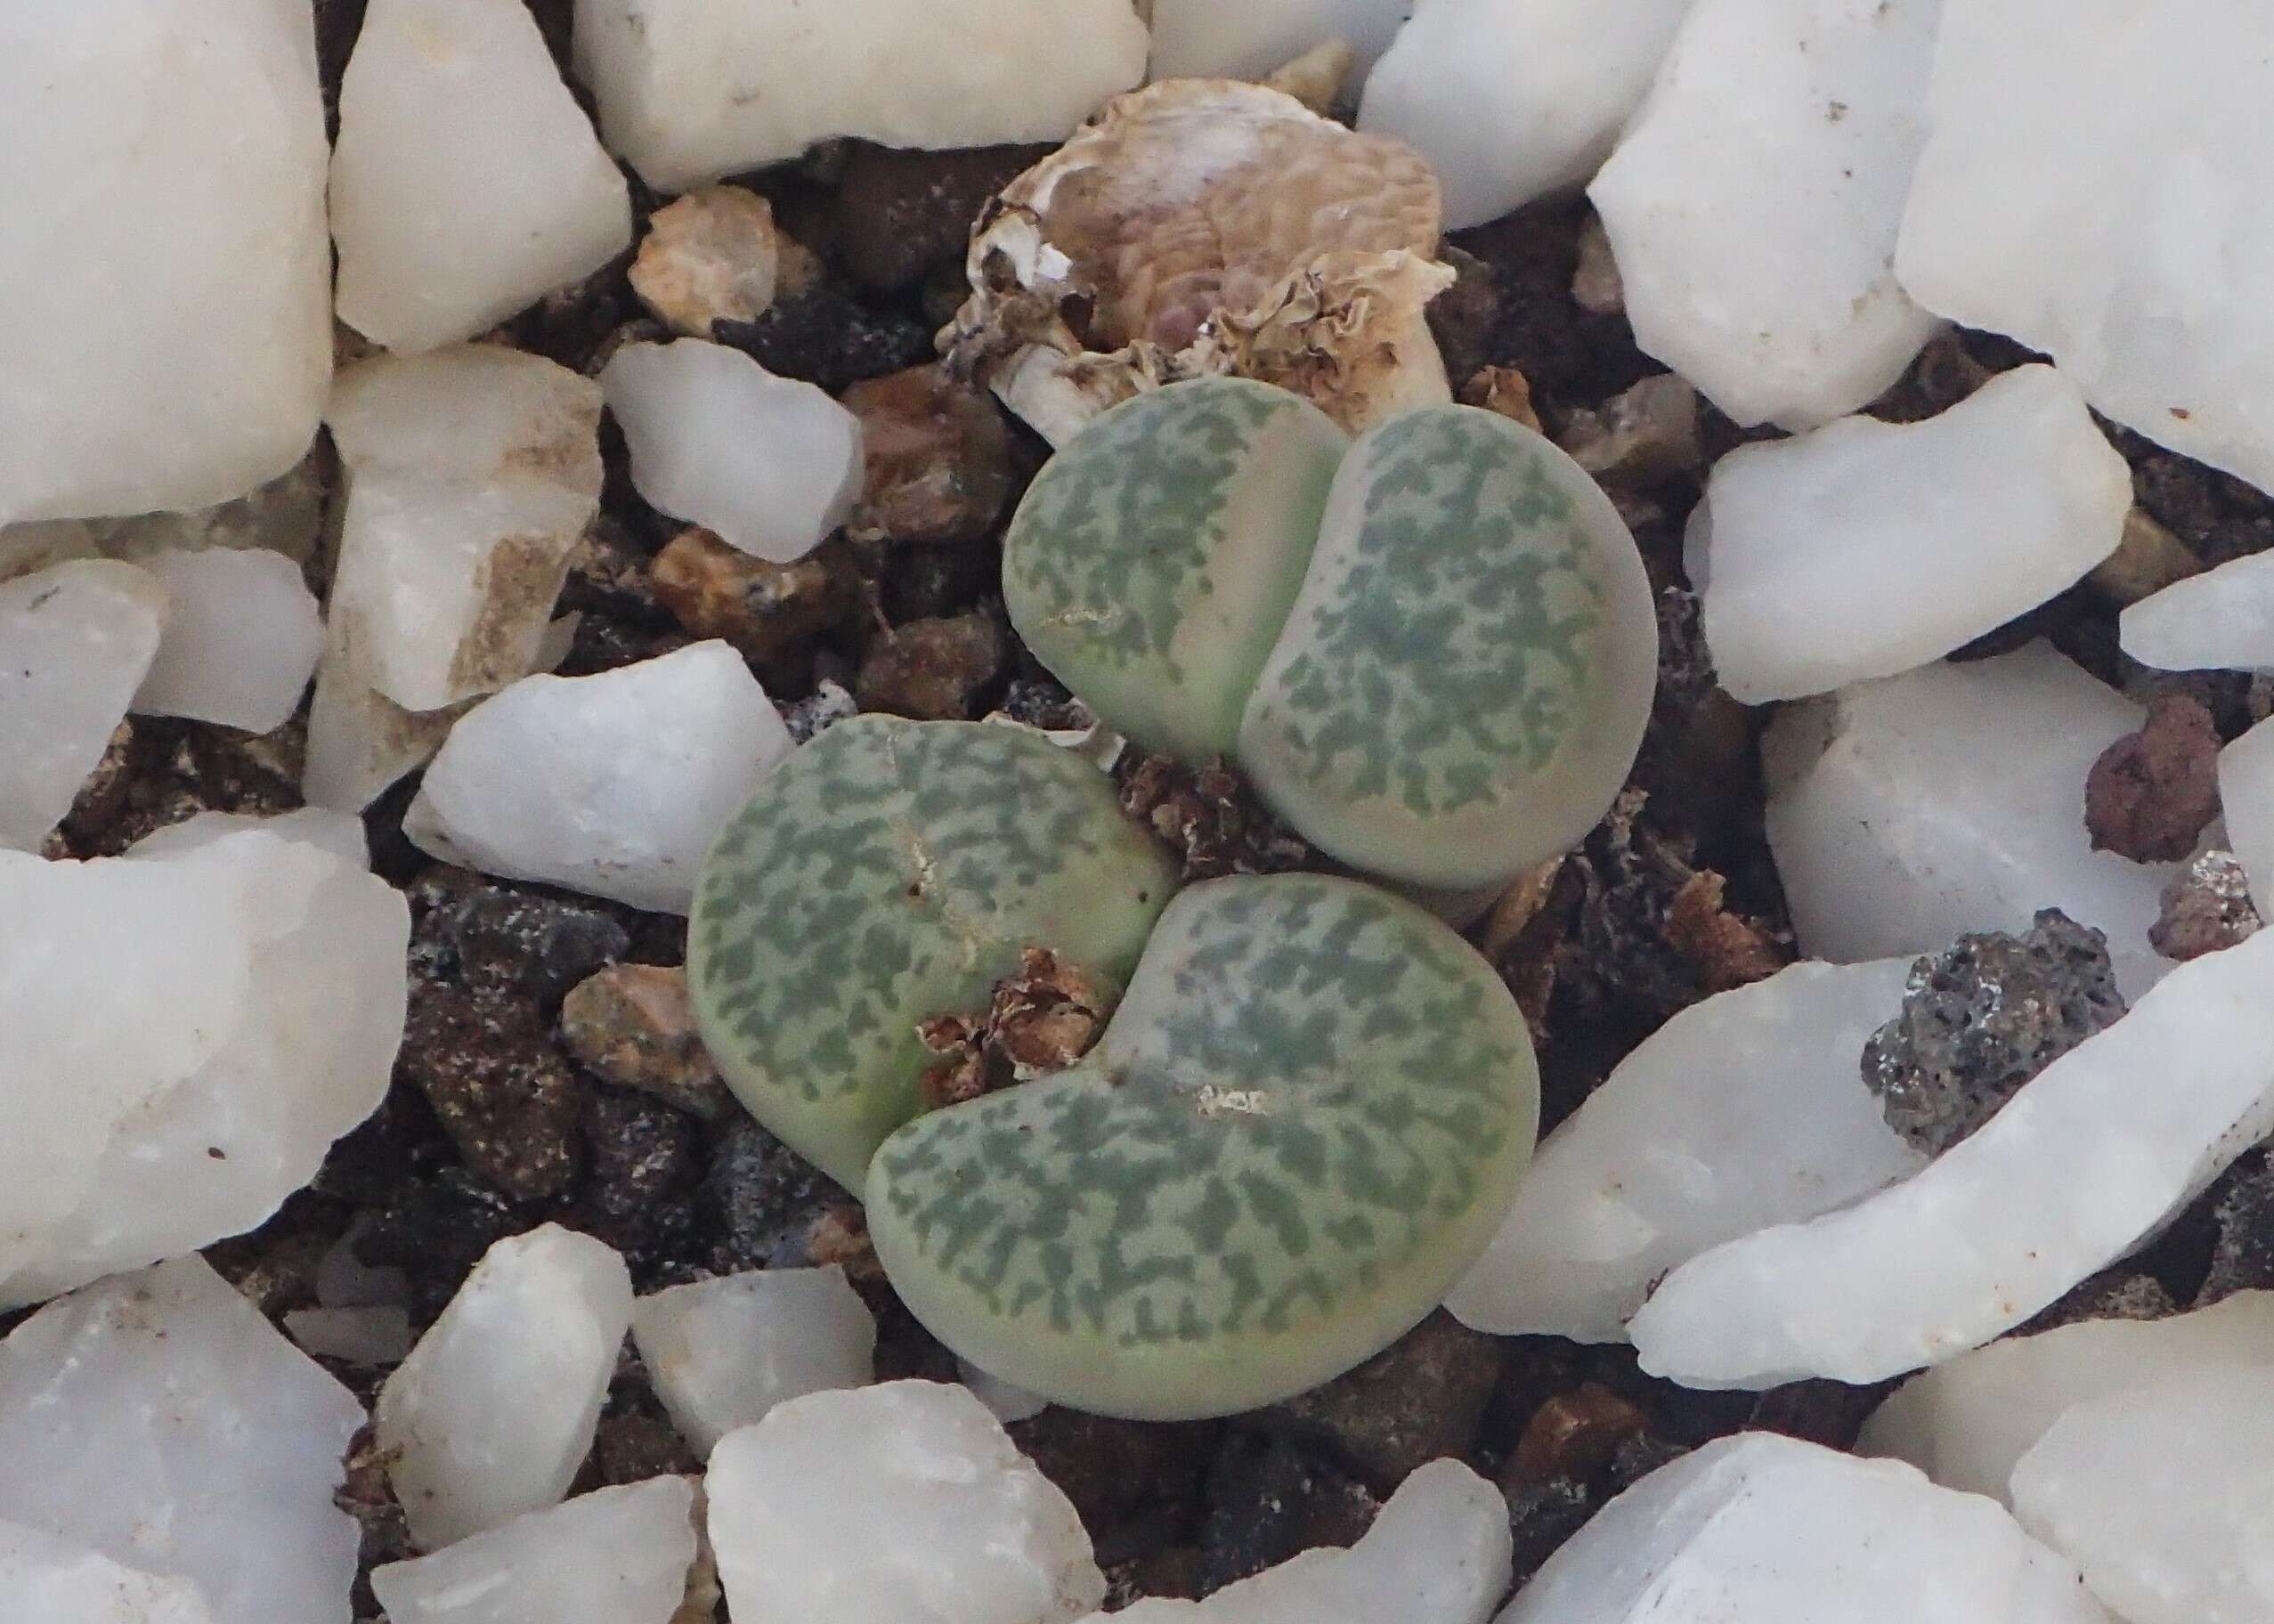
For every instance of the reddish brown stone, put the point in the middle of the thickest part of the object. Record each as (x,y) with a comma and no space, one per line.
(933,669)
(2152,793)
(940,459)
(1573,1436)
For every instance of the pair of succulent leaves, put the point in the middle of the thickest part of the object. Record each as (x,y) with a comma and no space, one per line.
(1311,1107)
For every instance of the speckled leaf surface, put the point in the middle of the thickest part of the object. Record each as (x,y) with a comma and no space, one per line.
(1465,679)
(1305,1120)
(1153,561)
(890,872)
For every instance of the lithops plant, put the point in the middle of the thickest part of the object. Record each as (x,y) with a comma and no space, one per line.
(888,873)
(1455,689)
(1302,1124)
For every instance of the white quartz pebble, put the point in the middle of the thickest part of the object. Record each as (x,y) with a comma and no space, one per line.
(467,183)
(723,1353)
(493,1411)
(157,1418)
(2164,1495)
(185,1032)
(76,641)
(2247,802)
(1437,1553)
(165,275)
(1511,100)
(613,1556)
(2219,620)
(1752,204)
(690,90)
(1906,813)
(47,1581)
(614,785)
(1769,1530)
(1210,40)
(1745,1110)
(2089,1159)
(1968,1423)
(337,832)
(770,464)
(2092,188)
(472,472)
(885,1504)
(1816,546)
(242,633)
(358,1335)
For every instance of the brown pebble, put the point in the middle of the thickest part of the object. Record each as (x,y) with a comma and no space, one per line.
(2148,559)
(773,614)
(2208,909)
(633,1024)
(1724,949)
(1573,1436)
(940,459)
(933,669)
(1596,286)
(502,1093)
(1503,390)
(1641,436)
(1422,1397)
(2152,793)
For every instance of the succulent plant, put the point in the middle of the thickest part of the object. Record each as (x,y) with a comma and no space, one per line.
(1455,689)
(888,873)
(1305,1120)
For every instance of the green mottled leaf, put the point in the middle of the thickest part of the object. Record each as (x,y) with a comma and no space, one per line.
(1306,1119)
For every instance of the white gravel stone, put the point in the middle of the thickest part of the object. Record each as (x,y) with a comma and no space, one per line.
(769,465)
(1772,1530)
(1743,1111)
(467,183)
(472,472)
(185,1034)
(337,832)
(2091,187)
(165,275)
(1753,203)
(358,1335)
(614,1556)
(1968,1424)
(242,633)
(2077,1170)
(1208,39)
(2161,1495)
(2246,801)
(47,1581)
(1817,547)
(158,1419)
(723,1353)
(690,90)
(2219,620)
(76,641)
(1905,813)
(1511,100)
(613,785)
(492,1413)
(890,1503)
(1437,1553)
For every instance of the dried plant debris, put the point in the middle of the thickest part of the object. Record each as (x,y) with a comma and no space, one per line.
(1044,1017)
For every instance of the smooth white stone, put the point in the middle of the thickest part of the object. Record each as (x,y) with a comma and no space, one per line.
(1006,1403)
(1752,204)
(1511,100)
(1968,1423)
(2247,802)
(885,1504)
(76,641)
(185,1035)
(158,1419)
(614,785)
(467,183)
(2163,1496)
(2077,1170)
(1817,546)
(1743,1111)
(493,1411)
(358,1335)
(2219,620)
(2093,187)
(723,1353)
(337,832)
(1208,39)
(1772,1530)
(1905,813)
(241,638)
(164,274)
(614,1556)
(690,90)
(47,1581)
(1438,1553)
(472,472)
(770,465)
